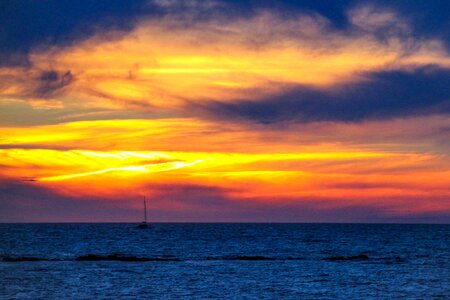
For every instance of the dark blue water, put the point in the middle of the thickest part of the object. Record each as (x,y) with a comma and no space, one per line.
(229,261)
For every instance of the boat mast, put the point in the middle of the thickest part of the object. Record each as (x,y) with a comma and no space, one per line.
(145,210)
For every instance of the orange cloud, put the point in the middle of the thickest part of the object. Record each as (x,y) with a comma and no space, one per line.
(338,177)
(165,62)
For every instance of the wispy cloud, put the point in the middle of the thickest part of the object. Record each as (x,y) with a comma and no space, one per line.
(170,61)
(215,113)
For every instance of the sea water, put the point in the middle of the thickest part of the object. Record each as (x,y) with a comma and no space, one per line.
(224,261)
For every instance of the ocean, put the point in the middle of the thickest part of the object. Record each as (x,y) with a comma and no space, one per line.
(224,261)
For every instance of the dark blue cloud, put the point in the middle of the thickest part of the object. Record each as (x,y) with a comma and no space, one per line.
(385,95)
(429,18)
(27,23)
(51,82)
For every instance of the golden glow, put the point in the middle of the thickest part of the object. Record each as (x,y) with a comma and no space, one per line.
(167,63)
(249,170)
(149,168)
(125,124)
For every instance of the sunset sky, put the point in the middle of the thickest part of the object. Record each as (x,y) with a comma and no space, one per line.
(225,111)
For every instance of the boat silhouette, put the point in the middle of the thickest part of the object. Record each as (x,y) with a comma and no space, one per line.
(144,224)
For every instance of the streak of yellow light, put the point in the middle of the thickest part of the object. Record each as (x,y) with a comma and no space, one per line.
(58,165)
(149,168)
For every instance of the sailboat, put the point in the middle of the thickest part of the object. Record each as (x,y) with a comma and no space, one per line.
(144,223)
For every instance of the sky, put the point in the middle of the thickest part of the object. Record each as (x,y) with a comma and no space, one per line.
(225,111)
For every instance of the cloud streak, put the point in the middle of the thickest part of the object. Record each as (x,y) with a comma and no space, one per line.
(384,95)
(171,61)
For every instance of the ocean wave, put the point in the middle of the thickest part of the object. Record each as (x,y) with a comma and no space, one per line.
(119,257)
(346,258)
